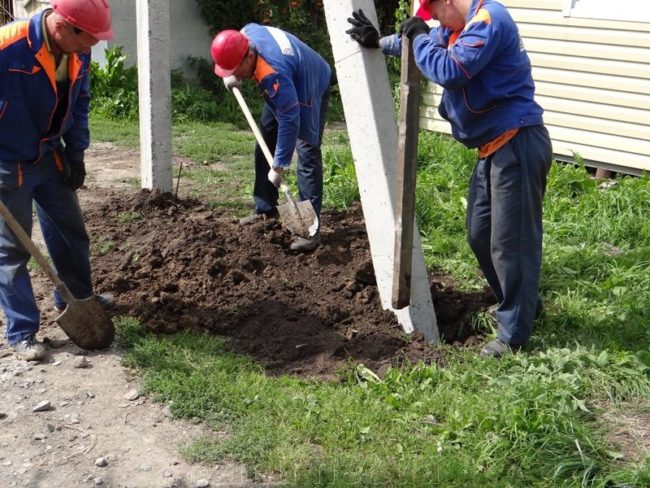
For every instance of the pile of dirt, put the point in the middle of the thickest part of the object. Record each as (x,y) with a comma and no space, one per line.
(179,264)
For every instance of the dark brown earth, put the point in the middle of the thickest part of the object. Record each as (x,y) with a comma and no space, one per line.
(178,264)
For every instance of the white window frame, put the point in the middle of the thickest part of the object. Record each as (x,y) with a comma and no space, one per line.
(624,10)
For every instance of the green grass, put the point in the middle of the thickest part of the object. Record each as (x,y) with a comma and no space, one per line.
(128,217)
(124,133)
(536,419)
(524,421)
(223,175)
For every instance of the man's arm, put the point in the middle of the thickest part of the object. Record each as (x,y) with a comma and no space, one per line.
(454,67)
(281,94)
(77,137)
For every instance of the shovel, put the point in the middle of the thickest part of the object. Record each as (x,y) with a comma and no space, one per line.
(84,321)
(299,217)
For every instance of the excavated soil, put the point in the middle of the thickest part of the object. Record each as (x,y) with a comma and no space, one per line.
(178,264)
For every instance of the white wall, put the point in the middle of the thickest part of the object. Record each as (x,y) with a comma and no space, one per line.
(189,34)
(24,8)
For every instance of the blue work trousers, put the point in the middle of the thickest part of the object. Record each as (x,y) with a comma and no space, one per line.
(504,223)
(64,233)
(310,164)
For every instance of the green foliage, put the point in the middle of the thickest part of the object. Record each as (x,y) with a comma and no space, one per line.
(129,217)
(191,102)
(114,88)
(228,108)
(115,93)
(106,129)
(444,169)
(226,14)
(340,187)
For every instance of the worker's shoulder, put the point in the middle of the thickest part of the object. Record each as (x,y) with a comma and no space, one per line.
(14,32)
(492,11)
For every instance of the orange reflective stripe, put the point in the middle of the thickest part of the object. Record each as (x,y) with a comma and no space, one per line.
(58,161)
(495,144)
(13,32)
(262,69)
(481,16)
(20,174)
(47,62)
(35,69)
(74,67)
(454,37)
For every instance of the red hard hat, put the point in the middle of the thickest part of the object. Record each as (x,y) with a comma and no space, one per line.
(423,12)
(228,50)
(91,16)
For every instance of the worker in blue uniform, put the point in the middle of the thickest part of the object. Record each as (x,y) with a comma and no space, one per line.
(477,56)
(294,81)
(44,98)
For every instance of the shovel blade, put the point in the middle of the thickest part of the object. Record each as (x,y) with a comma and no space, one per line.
(86,324)
(299,217)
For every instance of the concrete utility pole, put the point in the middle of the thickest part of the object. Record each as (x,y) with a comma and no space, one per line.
(154,94)
(372,127)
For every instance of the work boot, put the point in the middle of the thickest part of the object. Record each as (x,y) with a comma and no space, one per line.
(300,244)
(259,217)
(29,349)
(497,348)
(106,300)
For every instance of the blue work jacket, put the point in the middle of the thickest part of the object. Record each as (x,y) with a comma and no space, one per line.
(292,78)
(29,94)
(485,71)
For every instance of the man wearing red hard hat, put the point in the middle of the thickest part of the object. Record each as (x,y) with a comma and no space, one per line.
(478,57)
(44,99)
(294,81)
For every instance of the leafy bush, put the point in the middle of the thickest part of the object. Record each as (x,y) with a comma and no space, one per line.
(228,108)
(114,88)
(190,101)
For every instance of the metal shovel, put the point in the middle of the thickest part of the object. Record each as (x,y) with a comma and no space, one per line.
(84,321)
(298,217)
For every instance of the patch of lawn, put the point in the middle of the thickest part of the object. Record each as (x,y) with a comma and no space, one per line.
(125,133)
(522,421)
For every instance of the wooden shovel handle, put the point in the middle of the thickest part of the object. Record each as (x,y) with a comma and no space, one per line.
(34,251)
(259,137)
(407,154)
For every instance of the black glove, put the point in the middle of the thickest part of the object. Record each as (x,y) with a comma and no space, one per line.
(363,31)
(74,174)
(414,26)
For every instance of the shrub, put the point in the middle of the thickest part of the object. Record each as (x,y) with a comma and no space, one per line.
(114,88)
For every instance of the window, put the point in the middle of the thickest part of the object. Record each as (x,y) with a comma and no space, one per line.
(628,10)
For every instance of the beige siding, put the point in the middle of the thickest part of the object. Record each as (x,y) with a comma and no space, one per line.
(593,80)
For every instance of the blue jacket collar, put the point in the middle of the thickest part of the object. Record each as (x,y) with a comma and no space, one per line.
(35,37)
